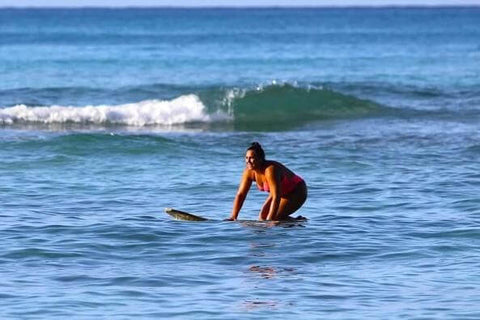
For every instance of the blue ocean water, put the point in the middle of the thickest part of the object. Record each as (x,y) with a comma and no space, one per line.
(107,116)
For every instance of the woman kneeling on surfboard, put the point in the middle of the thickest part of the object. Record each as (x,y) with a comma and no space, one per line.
(287,191)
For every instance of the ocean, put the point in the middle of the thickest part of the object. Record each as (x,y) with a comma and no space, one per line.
(107,116)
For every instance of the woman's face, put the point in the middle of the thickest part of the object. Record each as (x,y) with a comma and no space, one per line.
(251,160)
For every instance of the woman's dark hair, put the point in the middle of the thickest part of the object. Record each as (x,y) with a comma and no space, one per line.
(257,148)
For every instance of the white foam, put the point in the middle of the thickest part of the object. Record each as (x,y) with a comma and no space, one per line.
(184,109)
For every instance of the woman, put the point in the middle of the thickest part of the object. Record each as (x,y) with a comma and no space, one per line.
(287,191)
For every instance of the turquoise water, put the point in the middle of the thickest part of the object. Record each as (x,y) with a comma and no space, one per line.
(109,116)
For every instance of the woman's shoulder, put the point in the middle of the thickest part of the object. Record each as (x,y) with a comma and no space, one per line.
(274,165)
(249,174)
(278,168)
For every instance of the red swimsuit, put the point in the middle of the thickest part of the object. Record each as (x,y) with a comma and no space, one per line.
(287,184)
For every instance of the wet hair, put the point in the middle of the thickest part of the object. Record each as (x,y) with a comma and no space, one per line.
(257,148)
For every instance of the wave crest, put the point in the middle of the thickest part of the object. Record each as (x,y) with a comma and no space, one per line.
(184,109)
(274,106)
(287,103)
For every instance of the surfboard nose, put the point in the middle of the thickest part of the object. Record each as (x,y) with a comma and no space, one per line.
(182,215)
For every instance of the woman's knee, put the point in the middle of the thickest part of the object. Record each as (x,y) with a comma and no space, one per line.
(293,203)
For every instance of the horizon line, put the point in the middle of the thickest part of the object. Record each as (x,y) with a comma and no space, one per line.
(243,7)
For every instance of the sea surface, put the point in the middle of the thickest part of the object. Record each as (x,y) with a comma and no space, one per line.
(107,116)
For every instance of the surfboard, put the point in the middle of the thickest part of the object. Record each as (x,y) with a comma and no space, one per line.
(182,215)
(185,216)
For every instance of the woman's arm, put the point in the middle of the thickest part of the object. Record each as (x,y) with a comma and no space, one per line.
(272,175)
(242,192)
(265,209)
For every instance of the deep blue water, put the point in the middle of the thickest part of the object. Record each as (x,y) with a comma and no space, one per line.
(109,116)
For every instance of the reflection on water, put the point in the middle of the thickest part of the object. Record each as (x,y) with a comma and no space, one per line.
(251,305)
(270,272)
(264,272)
(264,277)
